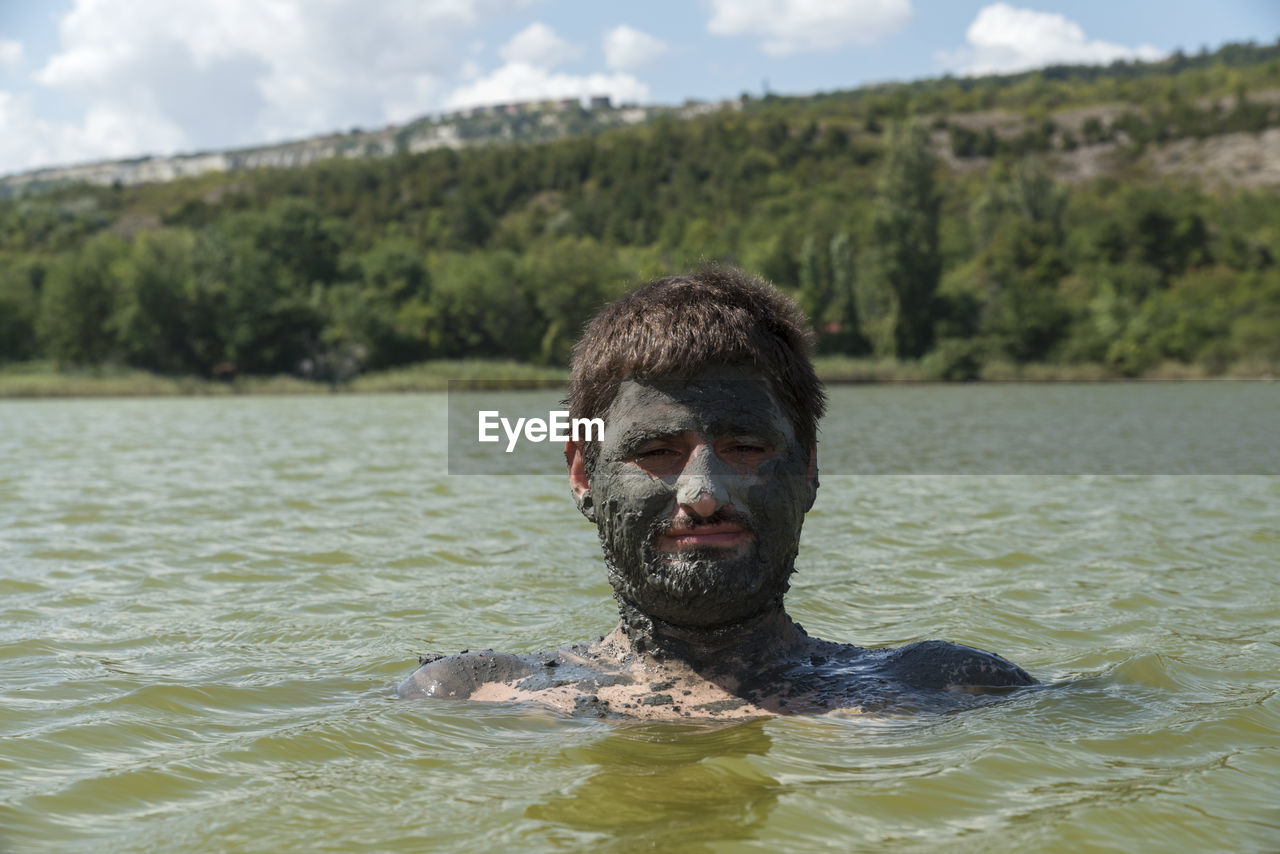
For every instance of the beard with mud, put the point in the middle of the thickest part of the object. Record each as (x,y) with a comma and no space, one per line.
(700,588)
(636,499)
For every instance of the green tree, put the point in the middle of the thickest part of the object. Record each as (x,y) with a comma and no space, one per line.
(483,307)
(906,261)
(154,307)
(814,292)
(1038,198)
(1020,216)
(262,321)
(302,244)
(570,279)
(844,306)
(20,282)
(77,302)
(383,318)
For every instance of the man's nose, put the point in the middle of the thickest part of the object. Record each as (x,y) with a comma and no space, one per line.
(701,487)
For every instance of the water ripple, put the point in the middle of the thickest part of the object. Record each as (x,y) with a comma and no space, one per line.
(204,604)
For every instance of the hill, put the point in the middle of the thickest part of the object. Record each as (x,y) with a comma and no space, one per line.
(1104,221)
(520,122)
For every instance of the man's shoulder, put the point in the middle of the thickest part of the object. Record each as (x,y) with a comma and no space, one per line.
(941,664)
(458,676)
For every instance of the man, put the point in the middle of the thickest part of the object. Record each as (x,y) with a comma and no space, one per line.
(698,490)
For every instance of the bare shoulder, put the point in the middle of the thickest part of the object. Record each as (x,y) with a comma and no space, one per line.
(458,676)
(941,664)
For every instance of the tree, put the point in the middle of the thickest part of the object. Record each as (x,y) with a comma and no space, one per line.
(906,264)
(294,234)
(78,298)
(570,279)
(19,308)
(382,319)
(1020,220)
(814,293)
(154,310)
(844,307)
(482,308)
(1038,198)
(261,320)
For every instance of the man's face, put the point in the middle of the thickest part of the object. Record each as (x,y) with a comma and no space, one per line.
(699,492)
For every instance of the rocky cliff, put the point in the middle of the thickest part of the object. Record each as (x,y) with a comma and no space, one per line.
(508,122)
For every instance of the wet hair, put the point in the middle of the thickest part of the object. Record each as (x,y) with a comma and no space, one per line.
(681,325)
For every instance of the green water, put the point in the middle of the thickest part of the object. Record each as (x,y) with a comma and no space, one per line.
(204,605)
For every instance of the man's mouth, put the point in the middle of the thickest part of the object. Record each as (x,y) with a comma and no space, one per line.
(679,537)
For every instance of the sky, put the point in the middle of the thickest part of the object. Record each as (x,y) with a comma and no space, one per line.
(85,80)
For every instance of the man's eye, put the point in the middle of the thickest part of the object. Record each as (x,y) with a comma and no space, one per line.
(653,453)
(745,449)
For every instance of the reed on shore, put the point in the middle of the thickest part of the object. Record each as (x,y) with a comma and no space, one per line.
(45,380)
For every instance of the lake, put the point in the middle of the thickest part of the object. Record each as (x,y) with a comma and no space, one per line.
(206,602)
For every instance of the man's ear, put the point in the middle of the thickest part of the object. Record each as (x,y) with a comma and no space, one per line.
(811,474)
(578,481)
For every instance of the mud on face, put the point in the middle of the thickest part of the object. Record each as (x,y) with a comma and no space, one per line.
(712,450)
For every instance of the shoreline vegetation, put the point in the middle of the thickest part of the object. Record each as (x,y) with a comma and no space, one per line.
(42,380)
(1024,227)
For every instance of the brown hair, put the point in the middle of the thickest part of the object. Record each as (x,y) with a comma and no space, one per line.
(680,325)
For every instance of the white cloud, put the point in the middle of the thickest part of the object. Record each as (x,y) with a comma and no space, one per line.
(1003,39)
(527,75)
(802,26)
(519,81)
(10,52)
(537,44)
(154,76)
(626,47)
(28,141)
